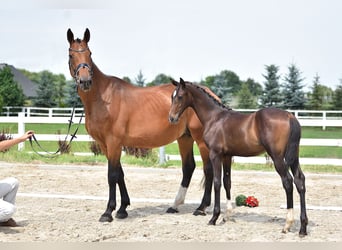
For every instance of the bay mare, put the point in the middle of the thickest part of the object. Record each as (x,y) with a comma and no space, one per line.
(119,114)
(229,133)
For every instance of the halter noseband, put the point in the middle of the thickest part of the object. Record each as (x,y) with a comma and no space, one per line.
(81,65)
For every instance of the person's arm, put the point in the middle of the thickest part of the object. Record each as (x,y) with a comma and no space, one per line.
(6,144)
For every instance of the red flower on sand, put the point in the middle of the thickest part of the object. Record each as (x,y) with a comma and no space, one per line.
(251,201)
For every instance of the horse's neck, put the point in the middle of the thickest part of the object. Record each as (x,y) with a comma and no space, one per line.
(204,106)
(100,92)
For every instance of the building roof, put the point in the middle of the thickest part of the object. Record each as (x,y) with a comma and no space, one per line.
(29,87)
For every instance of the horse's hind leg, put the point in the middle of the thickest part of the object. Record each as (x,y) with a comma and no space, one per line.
(299,180)
(287,182)
(185,144)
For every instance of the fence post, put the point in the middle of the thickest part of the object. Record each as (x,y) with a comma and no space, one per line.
(21,129)
(324,119)
(162,155)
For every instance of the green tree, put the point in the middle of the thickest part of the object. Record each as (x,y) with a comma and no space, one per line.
(46,90)
(11,92)
(254,87)
(337,97)
(127,79)
(140,80)
(271,93)
(72,99)
(320,97)
(292,93)
(246,100)
(159,79)
(224,85)
(60,95)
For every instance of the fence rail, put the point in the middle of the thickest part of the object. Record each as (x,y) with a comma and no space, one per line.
(24,115)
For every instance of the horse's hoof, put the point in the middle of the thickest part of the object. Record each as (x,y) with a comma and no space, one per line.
(121,215)
(171,210)
(199,212)
(212,223)
(106,218)
(302,234)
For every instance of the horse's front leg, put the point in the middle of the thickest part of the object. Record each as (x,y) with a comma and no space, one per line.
(116,176)
(185,145)
(216,163)
(227,179)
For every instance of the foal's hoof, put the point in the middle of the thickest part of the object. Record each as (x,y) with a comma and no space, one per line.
(171,210)
(121,215)
(301,234)
(106,218)
(199,212)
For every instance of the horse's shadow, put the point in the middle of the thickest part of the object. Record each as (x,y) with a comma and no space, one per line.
(236,216)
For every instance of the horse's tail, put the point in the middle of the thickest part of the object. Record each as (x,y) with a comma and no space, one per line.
(292,148)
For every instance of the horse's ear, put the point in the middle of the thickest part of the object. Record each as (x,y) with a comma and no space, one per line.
(174,82)
(86,36)
(70,36)
(181,81)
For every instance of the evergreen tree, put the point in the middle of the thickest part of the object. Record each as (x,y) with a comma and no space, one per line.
(337,97)
(293,94)
(246,100)
(11,92)
(46,90)
(315,97)
(271,96)
(140,80)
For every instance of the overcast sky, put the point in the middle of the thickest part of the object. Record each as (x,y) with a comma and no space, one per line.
(181,38)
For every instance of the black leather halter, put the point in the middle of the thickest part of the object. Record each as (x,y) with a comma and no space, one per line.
(81,65)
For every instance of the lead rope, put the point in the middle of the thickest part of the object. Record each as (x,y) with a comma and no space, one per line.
(48,154)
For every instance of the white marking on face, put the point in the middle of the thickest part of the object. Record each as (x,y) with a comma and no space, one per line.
(174,93)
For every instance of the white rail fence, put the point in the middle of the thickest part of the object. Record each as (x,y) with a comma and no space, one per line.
(313,118)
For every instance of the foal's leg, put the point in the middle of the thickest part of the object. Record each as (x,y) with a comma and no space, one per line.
(227,183)
(208,179)
(185,144)
(216,161)
(299,180)
(287,181)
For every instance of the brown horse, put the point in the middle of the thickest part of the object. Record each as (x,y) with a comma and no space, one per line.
(229,133)
(120,114)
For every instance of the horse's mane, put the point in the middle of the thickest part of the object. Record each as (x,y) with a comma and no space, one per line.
(220,104)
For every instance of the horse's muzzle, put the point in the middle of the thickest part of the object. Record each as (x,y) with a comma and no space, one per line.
(84,84)
(173,120)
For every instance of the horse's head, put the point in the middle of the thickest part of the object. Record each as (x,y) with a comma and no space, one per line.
(180,100)
(80,63)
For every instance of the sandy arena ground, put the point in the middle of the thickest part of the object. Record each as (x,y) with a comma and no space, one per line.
(64,203)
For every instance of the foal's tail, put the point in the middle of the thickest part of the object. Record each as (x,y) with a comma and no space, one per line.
(292,148)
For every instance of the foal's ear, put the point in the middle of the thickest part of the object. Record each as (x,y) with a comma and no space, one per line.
(182,82)
(70,36)
(86,36)
(174,82)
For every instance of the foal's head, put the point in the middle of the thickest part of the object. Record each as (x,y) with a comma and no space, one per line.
(80,63)
(180,100)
